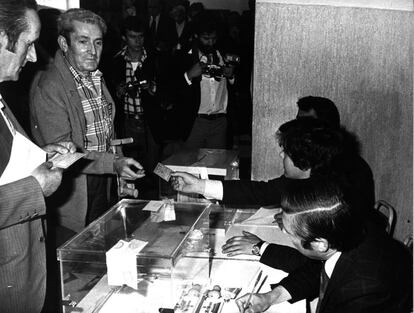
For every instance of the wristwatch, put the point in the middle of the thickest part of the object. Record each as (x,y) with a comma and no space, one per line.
(256,248)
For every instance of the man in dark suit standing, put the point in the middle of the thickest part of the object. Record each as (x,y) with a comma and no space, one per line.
(22,192)
(358,268)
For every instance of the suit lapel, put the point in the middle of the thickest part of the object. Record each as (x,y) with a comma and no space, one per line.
(344,262)
(71,92)
(6,137)
(6,142)
(16,124)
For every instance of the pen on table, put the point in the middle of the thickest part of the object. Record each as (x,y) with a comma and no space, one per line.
(251,294)
(261,284)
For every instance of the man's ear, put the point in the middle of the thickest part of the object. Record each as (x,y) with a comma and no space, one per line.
(320,245)
(63,44)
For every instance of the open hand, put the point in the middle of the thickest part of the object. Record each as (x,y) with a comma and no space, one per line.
(123,167)
(240,244)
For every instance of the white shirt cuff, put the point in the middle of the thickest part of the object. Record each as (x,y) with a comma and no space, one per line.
(263,247)
(187,79)
(213,189)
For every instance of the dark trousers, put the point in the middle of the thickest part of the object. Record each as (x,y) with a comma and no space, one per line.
(100,196)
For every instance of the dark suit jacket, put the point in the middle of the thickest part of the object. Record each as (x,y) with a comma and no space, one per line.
(374,277)
(163,39)
(254,192)
(292,259)
(186,37)
(22,248)
(356,178)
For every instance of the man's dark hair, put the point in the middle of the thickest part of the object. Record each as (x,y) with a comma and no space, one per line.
(206,23)
(65,21)
(13,19)
(132,23)
(324,108)
(310,143)
(320,208)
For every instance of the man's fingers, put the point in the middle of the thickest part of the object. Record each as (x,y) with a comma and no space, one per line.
(129,173)
(55,148)
(134,163)
(68,145)
(234,239)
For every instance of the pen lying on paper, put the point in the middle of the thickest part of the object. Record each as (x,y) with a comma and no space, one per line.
(246,305)
(261,284)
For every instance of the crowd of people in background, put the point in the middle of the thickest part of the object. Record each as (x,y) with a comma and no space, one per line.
(143,46)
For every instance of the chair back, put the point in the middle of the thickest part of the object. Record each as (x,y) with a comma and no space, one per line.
(388,211)
(408,242)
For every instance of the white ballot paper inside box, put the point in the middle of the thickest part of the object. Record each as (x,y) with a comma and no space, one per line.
(121,263)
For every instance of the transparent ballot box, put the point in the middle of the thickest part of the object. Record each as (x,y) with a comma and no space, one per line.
(168,246)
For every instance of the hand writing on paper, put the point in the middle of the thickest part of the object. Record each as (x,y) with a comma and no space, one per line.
(240,244)
(257,303)
(260,302)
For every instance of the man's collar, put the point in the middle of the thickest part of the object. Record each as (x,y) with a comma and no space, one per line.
(331,262)
(79,77)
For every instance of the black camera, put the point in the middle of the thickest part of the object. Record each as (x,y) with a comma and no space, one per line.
(134,87)
(231,59)
(213,70)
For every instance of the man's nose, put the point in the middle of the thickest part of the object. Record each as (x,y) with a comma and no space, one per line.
(31,54)
(92,48)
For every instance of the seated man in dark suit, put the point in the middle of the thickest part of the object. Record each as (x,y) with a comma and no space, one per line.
(308,147)
(361,268)
(357,171)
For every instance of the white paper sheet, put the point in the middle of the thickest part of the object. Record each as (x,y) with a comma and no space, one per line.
(24,158)
(121,262)
(263,216)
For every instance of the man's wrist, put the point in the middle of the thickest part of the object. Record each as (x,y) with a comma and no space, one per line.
(213,189)
(256,248)
(278,295)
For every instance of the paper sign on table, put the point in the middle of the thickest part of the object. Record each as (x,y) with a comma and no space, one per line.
(121,262)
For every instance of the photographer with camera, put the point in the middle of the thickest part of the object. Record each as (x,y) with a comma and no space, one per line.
(205,75)
(132,80)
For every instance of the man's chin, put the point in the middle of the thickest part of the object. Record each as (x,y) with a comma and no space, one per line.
(91,67)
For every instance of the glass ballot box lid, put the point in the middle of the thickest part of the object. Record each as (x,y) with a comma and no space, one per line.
(147,248)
